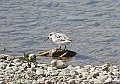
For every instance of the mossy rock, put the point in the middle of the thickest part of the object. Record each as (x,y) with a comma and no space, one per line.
(57,53)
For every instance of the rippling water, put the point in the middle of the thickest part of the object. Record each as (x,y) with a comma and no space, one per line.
(93,25)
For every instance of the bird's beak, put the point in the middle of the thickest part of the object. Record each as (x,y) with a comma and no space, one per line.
(46,39)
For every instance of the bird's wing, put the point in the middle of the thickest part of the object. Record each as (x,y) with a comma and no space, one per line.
(61,37)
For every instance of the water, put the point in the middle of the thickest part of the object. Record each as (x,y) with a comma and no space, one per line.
(93,25)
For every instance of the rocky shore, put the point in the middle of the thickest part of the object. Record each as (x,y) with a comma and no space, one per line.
(16,71)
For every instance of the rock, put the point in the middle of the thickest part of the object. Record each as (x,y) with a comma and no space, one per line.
(40,81)
(80,70)
(31,69)
(87,67)
(34,82)
(77,67)
(2,82)
(95,74)
(59,64)
(116,80)
(57,53)
(50,68)
(32,57)
(71,81)
(3,65)
(47,82)
(39,71)
(33,65)
(71,67)
(54,62)
(24,65)
(4,56)
(17,64)
(109,80)
(65,72)
(73,73)
(16,60)
(105,67)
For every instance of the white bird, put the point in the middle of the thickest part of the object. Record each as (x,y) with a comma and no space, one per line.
(59,38)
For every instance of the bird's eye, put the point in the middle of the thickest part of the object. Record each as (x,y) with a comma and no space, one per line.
(50,34)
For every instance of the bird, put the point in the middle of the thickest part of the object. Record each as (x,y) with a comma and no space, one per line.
(60,39)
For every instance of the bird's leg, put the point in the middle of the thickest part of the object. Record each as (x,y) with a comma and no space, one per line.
(65,47)
(59,46)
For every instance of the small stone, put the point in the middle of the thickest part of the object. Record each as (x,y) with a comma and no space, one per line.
(87,67)
(32,57)
(24,65)
(71,81)
(65,72)
(40,81)
(3,56)
(109,80)
(71,67)
(31,69)
(61,64)
(77,67)
(47,82)
(51,68)
(39,71)
(80,70)
(3,65)
(33,65)
(2,82)
(54,62)
(34,82)
(16,60)
(17,64)
(73,73)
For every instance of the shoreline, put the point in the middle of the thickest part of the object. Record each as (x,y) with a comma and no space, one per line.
(14,70)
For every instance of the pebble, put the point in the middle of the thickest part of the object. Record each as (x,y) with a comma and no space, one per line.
(57,72)
(59,64)
(73,73)
(71,81)
(109,80)
(2,82)
(65,72)
(39,71)
(3,65)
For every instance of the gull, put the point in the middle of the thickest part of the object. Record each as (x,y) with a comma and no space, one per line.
(59,38)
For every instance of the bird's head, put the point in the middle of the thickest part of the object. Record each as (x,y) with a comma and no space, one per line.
(50,35)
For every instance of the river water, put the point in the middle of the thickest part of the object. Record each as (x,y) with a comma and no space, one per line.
(93,25)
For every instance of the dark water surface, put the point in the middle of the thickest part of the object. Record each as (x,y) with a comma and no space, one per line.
(93,25)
